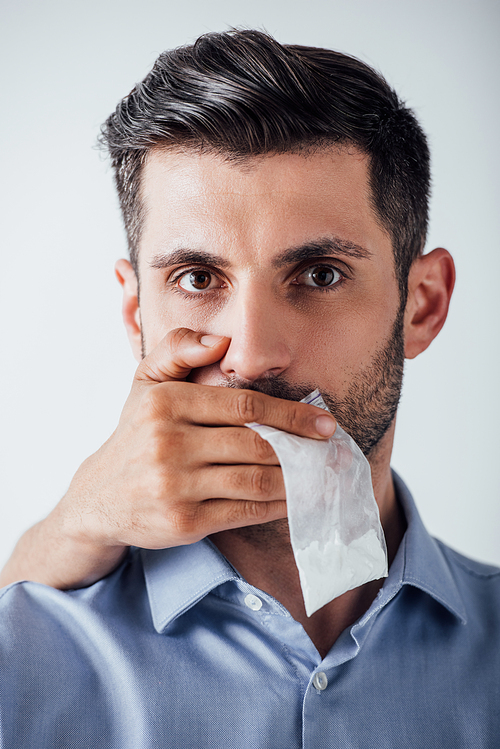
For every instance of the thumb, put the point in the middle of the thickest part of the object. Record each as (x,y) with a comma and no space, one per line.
(178,353)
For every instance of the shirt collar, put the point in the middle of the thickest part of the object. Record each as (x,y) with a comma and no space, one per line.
(177,578)
(421,562)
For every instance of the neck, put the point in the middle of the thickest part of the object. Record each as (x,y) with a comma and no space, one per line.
(263,555)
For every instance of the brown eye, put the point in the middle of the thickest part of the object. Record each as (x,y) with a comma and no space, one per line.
(322,275)
(197,280)
(319,276)
(200,279)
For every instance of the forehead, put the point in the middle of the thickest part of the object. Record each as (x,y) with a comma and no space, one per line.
(261,206)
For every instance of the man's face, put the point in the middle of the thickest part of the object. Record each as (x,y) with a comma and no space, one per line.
(285,256)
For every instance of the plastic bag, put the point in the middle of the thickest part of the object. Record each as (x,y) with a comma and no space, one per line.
(335,530)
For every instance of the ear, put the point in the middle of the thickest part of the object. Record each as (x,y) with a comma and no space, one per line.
(130,308)
(430,286)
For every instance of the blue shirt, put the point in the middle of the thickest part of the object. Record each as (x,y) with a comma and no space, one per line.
(175,649)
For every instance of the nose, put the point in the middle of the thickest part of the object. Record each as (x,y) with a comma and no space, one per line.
(258,347)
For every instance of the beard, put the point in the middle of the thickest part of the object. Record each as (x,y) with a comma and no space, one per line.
(368,409)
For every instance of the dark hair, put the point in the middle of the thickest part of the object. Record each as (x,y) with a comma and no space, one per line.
(240,94)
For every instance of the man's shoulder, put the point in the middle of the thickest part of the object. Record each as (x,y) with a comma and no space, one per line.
(470,568)
(28,603)
(67,676)
(468,588)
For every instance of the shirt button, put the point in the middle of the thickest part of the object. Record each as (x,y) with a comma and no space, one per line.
(320,681)
(253,602)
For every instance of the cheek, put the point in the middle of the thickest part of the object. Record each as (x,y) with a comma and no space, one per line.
(334,348)
(162,312)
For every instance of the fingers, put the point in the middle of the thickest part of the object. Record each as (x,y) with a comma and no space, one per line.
(187,525)
(178,353)
(256,483)
(186,486)
(229,445)
(220,515)
(218,406)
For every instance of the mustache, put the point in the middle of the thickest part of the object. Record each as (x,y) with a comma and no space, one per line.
(277,387)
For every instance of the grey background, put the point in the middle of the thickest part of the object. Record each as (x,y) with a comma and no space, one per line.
(65,364)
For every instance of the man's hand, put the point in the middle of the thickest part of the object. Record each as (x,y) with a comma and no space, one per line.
(180,466)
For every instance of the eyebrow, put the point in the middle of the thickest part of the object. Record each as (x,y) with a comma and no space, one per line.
(321,248)
(193,257)
(317,248)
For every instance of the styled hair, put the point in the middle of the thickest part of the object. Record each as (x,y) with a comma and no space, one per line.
(240,94)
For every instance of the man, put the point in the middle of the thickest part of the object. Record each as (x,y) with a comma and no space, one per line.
(275,201)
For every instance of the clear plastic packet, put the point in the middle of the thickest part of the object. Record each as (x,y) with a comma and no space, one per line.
(335,530)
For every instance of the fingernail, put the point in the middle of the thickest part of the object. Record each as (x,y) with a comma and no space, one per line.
(325,425)
(211,340)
